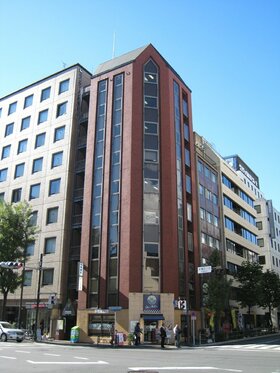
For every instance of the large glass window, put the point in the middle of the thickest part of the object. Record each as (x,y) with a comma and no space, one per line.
(57,159)
(22,146)
(50,245)
(43,116)
(16,195)
(40,140)
(12,108)
(47,278)
(61,109)
(3,174)
(19,170)
(28,101)
(97,186)
(37,165)
(27,278)
(151,177)
(34,191)
(59,133)
(63,86)
(54,187)
(52,215)
(9,129)
(45,94)
(101,325)
(115,176)
(6,151)
(25,123)
(30,248)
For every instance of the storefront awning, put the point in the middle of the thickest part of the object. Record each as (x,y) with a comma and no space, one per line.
(152,317)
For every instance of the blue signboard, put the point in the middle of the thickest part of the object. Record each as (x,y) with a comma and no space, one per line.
(151,302)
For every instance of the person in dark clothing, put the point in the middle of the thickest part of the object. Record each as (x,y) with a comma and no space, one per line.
(162,335)
(137,332)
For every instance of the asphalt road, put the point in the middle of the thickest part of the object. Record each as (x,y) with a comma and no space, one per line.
(256,356)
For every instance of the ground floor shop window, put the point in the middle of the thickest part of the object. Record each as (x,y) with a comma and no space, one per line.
(101,325)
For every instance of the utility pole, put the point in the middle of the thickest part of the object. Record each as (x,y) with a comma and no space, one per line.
(38,295)
(21,289)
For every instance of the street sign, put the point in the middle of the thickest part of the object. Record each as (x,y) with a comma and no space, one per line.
(182,304)
(205,269)
(52,300)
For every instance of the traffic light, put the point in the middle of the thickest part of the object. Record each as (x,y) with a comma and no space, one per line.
(11,265)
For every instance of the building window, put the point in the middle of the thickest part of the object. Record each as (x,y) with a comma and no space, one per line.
(54,187)
(188,184)
(19,170)
(52,215)
(61,109)
(9,129)
(59,133)
(34,191)
(30,248)
(37,165)
(45,94)
(259,225)
(2,196)
(260,242)
(34,218)
(22,146)
(63,86)
(27,278)
(47,277)
(28,101)
(100,325)
(150,102)
(189,212)
(187,158)
(12,108)
(43,116)
(6,151)
(25,123)
(57,159)
(258,209)
(0,112)
(3,174)
(16,195)
(50,244)
(40,140)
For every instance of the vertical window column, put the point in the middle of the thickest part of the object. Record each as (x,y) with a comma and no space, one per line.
(181,252)
(151,176)
(114,203)
(97,193)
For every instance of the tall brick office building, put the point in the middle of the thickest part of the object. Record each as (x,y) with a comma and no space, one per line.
(139,244)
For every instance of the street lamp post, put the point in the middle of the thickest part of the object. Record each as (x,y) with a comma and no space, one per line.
(38,296)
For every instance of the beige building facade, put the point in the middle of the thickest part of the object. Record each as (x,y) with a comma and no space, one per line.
(38,129)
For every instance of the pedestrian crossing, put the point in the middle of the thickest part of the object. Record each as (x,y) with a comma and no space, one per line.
(246,347)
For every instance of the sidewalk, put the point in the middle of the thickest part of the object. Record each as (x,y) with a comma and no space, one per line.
(150,345)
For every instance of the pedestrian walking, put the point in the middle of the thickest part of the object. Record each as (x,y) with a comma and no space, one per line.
(177,334)
(137,333)
(162,335)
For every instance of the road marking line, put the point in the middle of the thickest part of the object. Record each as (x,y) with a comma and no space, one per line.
(24,352)
(8,357)
(136,369)
(67,362)
(81,358)
(51,354)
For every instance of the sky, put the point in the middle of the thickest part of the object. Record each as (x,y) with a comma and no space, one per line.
(226,51)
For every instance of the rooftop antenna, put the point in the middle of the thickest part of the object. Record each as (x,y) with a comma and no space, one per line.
(64,64)
(114,44)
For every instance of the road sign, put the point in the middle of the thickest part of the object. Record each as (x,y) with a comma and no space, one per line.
(182,304)
(52,300)
(205,269)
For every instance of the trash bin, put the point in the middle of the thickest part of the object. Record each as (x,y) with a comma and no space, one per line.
(75,334)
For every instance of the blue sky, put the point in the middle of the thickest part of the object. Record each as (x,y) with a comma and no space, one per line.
(227,52)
